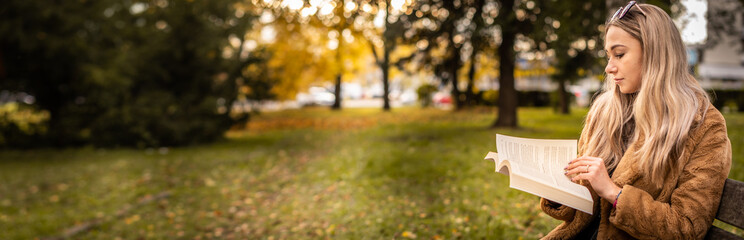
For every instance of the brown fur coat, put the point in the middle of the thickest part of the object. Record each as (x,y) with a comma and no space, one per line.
(681,208)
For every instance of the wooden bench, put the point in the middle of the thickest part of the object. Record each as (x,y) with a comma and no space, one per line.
(731,210)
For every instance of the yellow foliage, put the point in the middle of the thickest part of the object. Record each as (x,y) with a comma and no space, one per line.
(302,54)
(27,119)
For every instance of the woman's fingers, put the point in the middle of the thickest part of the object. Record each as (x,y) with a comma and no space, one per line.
(592,161)
(582,168)
(574,171)
(585,159)
(590,158)
(578,178)
(579,166)
(594,171)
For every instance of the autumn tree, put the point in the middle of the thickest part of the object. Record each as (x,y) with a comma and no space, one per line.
(343,35)
(384,36)
(310,43)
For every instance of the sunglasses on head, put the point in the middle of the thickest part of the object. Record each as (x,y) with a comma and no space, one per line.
(620,13)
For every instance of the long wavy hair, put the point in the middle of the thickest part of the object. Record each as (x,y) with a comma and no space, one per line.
(661,112)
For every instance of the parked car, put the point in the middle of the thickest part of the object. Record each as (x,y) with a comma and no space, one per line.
(442,98)
(316,96)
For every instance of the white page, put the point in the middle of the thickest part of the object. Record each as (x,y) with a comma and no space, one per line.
(541,160)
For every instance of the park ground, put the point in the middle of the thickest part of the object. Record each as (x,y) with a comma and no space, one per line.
(308,173)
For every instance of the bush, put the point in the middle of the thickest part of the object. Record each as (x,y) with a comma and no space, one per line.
(490,97)
(21,124)
(524,98)
(733,99)
(533,98)
(425,93)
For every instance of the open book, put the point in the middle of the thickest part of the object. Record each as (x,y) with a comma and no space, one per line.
(536,166)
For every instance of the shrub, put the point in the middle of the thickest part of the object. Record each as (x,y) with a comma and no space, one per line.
(490,97)
(425,93)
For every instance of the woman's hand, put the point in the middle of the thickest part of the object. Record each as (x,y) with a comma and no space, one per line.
(593,170)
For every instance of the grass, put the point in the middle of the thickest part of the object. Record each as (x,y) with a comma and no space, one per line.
(311,173)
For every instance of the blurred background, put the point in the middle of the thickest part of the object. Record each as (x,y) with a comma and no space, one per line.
(277,119)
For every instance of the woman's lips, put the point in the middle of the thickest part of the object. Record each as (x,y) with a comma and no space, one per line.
(618,80)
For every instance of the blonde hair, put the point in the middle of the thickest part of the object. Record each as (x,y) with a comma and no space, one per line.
(663,109)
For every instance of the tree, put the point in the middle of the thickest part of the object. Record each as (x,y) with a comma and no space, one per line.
(516,20)
(310,44)
(478,42)
(141,73)
(46,61)
(573,34)
(448,30)
(385,37)
(534,21)
(339,27)
(454,44)
(340,22)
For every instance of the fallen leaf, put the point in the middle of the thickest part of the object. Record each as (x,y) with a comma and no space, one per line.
(209,182)
(408,234)
(330,229)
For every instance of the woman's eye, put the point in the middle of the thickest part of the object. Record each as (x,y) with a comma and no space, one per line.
(620,55)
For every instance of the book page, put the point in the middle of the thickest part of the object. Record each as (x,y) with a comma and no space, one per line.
(542,160)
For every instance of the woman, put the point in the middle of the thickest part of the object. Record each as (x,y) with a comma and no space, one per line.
(655,153)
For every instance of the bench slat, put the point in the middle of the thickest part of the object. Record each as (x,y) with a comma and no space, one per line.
(715,233)
(731,210)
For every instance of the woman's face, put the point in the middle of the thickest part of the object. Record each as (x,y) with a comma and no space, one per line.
(624,59)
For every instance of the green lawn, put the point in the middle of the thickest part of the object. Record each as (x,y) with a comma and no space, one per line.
(311,173)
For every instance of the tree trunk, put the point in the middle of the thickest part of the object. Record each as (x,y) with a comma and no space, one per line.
(2,67)
(337,91)
(507,114)
(387,46)
(454,66)
(385,78)
(469,96)
(476,42)
(563,101)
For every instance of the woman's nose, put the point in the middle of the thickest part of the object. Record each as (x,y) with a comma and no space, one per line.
(610,69)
